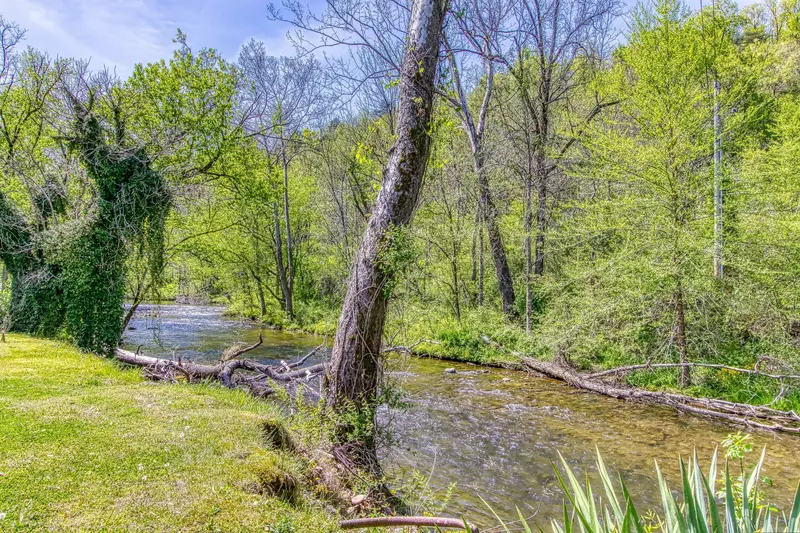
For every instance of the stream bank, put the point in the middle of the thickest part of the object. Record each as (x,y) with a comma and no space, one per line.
(495,433)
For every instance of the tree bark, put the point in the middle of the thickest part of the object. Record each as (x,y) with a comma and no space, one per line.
(356,358)
(504,281)
(528,224)
(680,333)
(289,242)
(287,294)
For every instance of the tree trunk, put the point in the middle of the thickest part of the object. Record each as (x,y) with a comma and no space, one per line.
(528,224)
(289,243)
(504,282)
(541,214)
(749,415)
(474,255)
(680,333)
(454,270)
(287,295)
(718,205)
(129,314)
(356,358)
(481,269)
(262,301)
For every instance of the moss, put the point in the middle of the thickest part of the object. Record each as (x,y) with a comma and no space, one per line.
(276,436)
(278,476)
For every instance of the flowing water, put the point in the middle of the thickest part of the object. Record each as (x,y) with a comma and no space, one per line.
(494,433)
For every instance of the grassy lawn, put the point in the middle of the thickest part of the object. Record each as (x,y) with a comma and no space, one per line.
(86,445)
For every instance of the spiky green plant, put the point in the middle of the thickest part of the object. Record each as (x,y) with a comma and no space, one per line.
(698,512)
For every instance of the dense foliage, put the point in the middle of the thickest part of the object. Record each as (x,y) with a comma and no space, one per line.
(86,191)
(601,195)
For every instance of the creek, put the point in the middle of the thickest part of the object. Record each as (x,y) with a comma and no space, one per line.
(494,433)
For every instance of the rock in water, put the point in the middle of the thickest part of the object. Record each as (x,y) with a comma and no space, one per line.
(449,370)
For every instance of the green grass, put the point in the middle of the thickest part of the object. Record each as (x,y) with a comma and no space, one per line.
(86,445)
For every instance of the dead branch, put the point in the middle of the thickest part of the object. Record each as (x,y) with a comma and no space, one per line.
(755,416)
(395,521)
(302,360)
(649,366)
(236,350)
(231,371)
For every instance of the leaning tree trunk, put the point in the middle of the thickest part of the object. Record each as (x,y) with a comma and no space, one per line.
(505,283)
(355,361)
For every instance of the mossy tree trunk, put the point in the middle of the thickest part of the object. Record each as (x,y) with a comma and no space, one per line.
(356,359)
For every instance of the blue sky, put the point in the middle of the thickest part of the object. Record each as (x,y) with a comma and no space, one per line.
(121,33)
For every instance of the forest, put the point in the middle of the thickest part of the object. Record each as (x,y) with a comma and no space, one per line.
(605,194)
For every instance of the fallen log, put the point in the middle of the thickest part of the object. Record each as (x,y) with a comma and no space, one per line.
(231,371)
(649,366)
(410,348)
(753,416)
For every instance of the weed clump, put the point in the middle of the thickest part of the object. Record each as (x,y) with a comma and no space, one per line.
(276,436)
(278,476)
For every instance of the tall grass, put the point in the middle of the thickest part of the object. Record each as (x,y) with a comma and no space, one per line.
(737,508)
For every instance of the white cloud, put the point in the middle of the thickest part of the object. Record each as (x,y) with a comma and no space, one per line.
(115,33)
(121,33)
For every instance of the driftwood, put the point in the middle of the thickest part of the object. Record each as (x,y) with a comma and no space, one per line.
(234,372)
(398,521)
(755,416)
(230,370)
(649,366)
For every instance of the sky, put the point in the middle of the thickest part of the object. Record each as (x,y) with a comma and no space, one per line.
(121,33)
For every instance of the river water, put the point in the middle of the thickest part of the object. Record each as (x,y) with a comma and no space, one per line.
(494,433)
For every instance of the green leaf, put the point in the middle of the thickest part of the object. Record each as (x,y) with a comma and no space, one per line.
(730,505)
